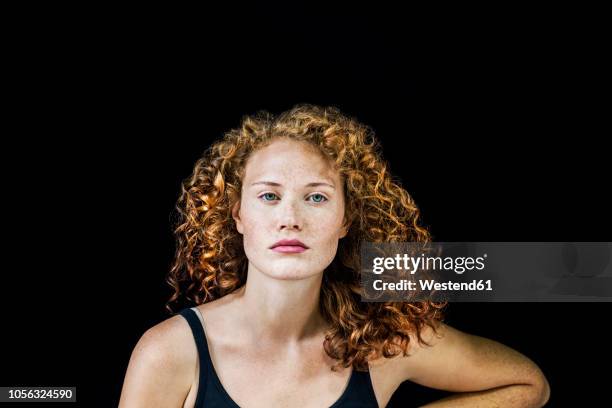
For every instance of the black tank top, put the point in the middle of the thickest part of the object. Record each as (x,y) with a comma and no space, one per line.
(211,394)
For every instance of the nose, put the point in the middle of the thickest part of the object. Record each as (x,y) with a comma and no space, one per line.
(289,217)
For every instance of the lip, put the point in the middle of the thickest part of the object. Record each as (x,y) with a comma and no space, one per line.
(289,246)
(289,249)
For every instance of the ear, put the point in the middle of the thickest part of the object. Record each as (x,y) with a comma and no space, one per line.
(345,229)
(344,233)
(236,217)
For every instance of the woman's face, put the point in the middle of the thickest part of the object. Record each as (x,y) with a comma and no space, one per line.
(290,191)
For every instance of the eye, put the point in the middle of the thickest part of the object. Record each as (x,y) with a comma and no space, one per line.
(320,198)
(268,195)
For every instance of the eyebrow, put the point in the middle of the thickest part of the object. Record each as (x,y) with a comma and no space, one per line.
(274,184)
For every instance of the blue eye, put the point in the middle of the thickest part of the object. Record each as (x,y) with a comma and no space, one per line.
(323,198)
(268,194)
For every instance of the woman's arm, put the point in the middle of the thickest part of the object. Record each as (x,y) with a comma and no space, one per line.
(485,372)
(161,368)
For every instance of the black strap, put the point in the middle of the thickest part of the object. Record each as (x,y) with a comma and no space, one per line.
(200,340)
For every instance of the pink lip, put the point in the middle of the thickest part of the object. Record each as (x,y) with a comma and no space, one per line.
(293,242)
(289,249)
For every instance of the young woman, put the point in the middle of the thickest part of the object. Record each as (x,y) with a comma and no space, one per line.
(271,222)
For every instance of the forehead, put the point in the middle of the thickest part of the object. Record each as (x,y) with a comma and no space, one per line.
(290,159)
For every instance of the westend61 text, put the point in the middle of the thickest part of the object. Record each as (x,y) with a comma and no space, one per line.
(433,285)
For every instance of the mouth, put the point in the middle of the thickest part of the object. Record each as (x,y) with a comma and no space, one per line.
(289,249)
(289,246)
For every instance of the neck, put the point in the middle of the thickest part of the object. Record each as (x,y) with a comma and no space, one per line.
(280,311)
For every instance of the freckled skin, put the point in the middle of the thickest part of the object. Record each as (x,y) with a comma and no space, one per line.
(290,211)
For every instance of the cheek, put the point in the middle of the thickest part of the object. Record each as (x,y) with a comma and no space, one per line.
(329,224)
(255,233)
(250,231)
(326,232)
(329,250)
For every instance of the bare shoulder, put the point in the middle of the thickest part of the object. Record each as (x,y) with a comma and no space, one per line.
(162,366)
(400,368)
(170,341)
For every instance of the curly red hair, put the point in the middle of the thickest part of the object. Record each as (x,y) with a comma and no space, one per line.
(210,261)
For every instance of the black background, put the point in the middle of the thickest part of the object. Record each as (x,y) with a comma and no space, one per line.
(493,120)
